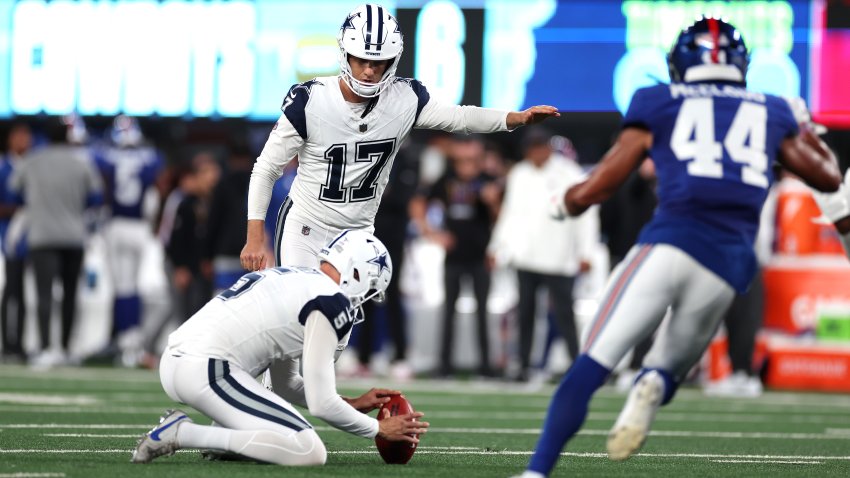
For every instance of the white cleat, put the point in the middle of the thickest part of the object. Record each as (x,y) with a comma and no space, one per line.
(162,440)
(632,426)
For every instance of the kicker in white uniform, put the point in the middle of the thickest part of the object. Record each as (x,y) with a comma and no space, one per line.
(292,314)
(346,131)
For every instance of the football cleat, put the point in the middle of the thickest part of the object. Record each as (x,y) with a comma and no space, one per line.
(632,426)
(162,439)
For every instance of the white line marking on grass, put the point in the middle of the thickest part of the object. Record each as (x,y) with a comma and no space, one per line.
(496,431)
(31,475)
(86,435)
(426,451)
(39,399)
(97,409)
(788,462)
(97,426)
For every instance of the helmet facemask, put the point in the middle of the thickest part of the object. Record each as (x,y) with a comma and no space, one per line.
(364,266)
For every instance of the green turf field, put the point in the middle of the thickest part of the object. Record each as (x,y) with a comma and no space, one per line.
(85,422)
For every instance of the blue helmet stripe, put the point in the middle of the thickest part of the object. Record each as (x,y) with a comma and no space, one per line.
(380,32)
(368,26)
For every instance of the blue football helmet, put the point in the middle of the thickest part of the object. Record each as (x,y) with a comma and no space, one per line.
(125,132)
(710,49)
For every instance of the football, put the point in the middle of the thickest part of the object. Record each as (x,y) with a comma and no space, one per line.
(395,452)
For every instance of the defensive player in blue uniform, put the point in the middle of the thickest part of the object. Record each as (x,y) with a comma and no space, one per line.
(713,142)
(130,168)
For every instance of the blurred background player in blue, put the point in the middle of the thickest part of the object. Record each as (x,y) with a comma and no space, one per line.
(12,231)
(129,167)
(697,250)
(57,184)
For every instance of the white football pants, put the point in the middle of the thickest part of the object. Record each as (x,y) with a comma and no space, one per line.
(651,279)
(253,421)
(126,243)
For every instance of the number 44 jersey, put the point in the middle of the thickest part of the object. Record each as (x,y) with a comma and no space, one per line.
(713,146)
(346,150)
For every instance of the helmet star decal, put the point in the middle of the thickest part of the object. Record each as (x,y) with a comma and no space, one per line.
(380,261)
(347,25)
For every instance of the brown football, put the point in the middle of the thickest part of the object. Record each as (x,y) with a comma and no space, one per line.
(395,452)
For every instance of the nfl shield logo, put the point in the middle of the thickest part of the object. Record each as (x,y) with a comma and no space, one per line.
(305,230)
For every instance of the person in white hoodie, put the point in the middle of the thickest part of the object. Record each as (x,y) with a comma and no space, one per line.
(545,251)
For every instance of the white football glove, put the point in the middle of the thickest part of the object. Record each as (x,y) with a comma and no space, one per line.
(835,205)
(557,208)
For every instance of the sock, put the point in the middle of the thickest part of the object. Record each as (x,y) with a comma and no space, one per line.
(567,412)
(670,384)
(192,435)
(128,312)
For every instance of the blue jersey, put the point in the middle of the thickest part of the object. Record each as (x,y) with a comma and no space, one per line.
(713,147)
(129,173)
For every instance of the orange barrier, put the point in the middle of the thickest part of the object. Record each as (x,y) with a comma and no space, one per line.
(799,291)
(798,228)
(808,367)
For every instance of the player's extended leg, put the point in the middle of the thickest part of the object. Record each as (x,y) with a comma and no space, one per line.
(633,305)
(701,300)
(254,422)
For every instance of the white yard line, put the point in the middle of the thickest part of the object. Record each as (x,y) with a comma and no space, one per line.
(47,399)
(535,431)
(788,462)
(435,451)
(25,474)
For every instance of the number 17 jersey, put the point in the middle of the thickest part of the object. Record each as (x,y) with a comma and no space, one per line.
(713,146)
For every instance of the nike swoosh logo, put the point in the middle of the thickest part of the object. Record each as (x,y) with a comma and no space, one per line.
(155,434)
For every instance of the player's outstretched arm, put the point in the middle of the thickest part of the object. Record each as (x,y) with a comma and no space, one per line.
(807,156)
(531,116)
(626,154)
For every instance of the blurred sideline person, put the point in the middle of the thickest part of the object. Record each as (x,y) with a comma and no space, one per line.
(188,234)
(13,233)
(129,167)
(698,249)
(226,224)
(546,252)
(57,184)
(470,201)
(282,313)
(346,131)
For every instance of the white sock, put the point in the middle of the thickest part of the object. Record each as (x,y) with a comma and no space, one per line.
(192,435)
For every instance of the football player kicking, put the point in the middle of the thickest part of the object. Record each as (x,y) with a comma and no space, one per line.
(346,131)
(282,313)
(713,142)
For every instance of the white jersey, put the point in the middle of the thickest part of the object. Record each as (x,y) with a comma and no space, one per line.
(261,318)
(346,150)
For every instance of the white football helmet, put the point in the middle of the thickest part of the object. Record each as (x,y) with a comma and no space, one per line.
(371,33)
(363,263)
